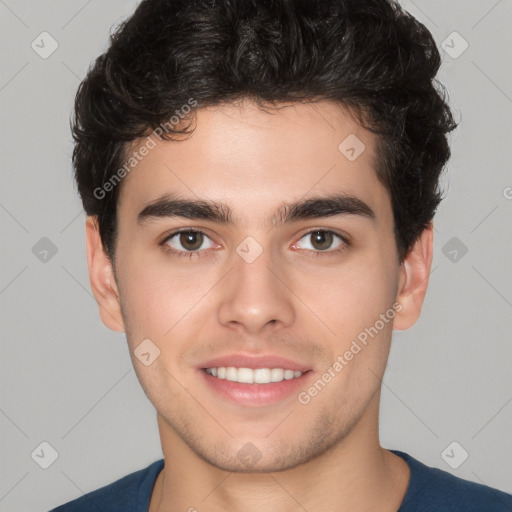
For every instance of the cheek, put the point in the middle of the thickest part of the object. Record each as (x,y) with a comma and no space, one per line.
(351,297)
(356,304)
(157,296)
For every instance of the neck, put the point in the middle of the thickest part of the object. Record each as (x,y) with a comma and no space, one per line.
(355,474)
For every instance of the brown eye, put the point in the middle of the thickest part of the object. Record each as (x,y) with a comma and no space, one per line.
(188,241)
(191,240)
(321,240)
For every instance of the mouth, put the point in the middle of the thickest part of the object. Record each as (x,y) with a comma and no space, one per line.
(250,381)
(254,394)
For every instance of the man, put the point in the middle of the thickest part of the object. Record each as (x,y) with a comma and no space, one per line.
(260,180)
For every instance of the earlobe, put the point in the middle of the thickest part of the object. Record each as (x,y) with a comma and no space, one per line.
(414,275)
(101,277)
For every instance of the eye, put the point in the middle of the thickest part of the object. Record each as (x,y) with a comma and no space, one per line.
(322,240)
(188,241)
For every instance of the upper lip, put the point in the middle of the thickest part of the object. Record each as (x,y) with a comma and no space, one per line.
(254,362)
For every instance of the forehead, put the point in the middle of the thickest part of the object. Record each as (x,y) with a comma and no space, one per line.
(254,160)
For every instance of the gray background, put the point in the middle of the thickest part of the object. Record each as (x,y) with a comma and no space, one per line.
(67,380)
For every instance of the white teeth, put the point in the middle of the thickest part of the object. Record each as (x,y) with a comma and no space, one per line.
(261,375)
(231,373)
(277,375)
(242,375)
(250,376)
(288,374)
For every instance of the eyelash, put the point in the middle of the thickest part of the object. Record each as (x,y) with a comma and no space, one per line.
(329,252)
(182,254)
(197,254)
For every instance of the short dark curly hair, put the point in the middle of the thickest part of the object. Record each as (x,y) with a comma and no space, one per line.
(368,55)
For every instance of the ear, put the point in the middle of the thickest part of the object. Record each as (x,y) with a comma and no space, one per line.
(101,277)
(413,282)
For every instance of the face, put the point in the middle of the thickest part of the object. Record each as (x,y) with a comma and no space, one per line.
(256,243)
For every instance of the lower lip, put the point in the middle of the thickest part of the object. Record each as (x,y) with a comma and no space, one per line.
(254,395)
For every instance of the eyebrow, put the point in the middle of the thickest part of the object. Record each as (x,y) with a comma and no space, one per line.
(312,208)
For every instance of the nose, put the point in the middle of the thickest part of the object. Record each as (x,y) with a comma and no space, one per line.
(256,296)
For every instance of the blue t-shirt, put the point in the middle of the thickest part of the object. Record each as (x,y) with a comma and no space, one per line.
(429,490)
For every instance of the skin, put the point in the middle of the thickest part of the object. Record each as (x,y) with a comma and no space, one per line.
(294,301)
